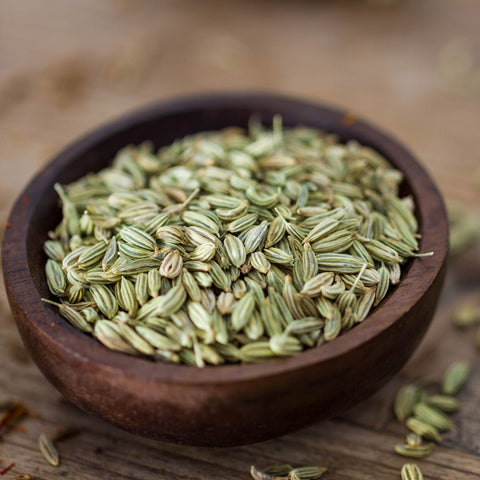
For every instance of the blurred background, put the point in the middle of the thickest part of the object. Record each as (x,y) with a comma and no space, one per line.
(411,67)
(67,66)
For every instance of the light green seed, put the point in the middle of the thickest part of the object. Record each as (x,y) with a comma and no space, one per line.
(56,281)
(235,250)
(423,429)
(137,238)
(306,473)
(105,300)
(141,288)
(108,333)
(48,450)
(404,402)
(432,415)
(455,377)
(242,311)
(135,340)
(411,471)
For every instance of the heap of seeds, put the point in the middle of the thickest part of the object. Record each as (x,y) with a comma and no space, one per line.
(230,246)
(428,415)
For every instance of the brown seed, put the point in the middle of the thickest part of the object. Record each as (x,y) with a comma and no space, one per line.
(171,265)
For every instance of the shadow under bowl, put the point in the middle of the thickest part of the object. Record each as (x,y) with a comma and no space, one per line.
(232,404)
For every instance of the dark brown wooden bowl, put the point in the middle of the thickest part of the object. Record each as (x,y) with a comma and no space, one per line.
(233,404)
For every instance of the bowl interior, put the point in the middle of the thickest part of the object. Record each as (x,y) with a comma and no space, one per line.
(162,124)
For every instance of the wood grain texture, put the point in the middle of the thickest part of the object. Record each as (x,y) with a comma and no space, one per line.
(56,82)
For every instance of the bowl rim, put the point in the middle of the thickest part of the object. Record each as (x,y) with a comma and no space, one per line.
(419,276)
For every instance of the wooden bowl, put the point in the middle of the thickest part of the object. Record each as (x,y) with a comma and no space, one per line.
(232,404)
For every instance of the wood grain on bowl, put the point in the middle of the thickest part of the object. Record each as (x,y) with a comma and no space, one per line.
(233,404)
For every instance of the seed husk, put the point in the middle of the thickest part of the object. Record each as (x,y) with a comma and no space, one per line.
(314,286)
(226,302)
(235,250)
(333,325)
(304,326)
(137,238)
(383,285)
(132,267)
(278,470)
(432,415)
(92,255)
(56,280)
(135,340)
(455,377)
(199,220)
(309,262)
(196,266)
(170,234)
(364,305)
(413,439)
(283,345)
(322,229)
(191,286)
(410,471)
(48,450)
(203,253)
(164,305)
(340,262)
(241,224)
(201,318)
(306,473)
(125,292)
(219,277)
(405,401)
(256,352)
(171,265)
(156,339)
(74,317)
(255,236)
(154,282)
(105,300)
(275,232)
(259,262)
(108,333)
(242,311)
(90,314)
(228,215)
(76,292)
(278,256)
(382,252)
(258,474)
(141,288)
(423,429)
(54,250)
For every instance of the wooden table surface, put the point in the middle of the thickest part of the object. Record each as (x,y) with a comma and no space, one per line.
(412,67)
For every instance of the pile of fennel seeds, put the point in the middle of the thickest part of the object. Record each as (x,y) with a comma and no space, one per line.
(230,246)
